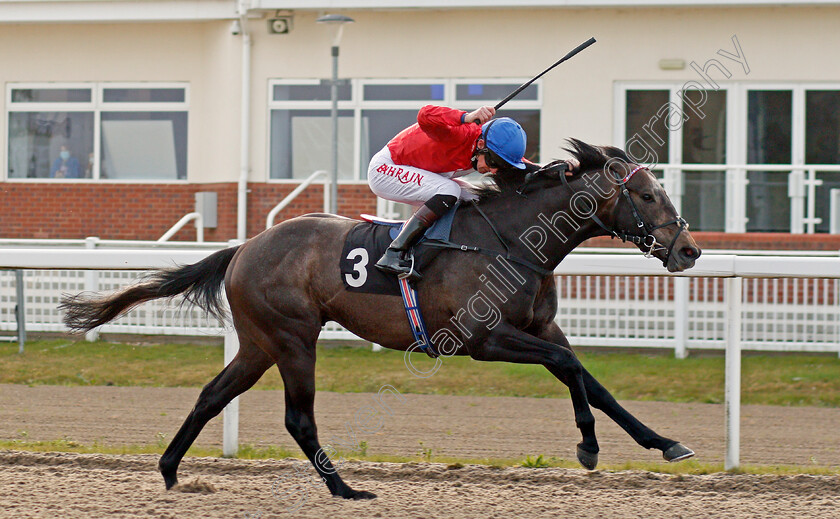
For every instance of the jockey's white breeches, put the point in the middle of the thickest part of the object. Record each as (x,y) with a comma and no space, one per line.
(410,185)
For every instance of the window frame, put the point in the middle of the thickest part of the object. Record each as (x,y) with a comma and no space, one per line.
(357,105)
(97,106)
(735,166)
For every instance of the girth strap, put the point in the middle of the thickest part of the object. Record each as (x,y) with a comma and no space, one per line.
(443,244)
(415,319)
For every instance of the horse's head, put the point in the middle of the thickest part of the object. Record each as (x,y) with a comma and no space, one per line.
(633,206)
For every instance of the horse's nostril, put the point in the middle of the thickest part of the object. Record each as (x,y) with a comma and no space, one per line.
(690,252)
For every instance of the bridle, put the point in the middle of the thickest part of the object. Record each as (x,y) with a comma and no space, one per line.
(644,237)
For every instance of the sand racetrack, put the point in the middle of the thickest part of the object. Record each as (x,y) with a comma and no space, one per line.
(95,485)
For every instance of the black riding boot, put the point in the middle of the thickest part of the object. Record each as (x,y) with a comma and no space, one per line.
(398,259)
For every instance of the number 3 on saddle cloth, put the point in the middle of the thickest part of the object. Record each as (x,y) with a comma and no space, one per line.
(367,242)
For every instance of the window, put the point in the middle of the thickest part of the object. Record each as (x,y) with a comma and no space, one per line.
(654,119)
(822,146)
(302,143)
(371,112)
(704,142)
(769,126)
(745,164)
(97,131)
(653,135)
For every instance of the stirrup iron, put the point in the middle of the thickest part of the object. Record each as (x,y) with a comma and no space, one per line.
(412,274)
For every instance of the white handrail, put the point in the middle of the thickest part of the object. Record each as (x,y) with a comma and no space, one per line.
(6,243)
(722,265)
(199,227)
(748,167)
(9,243)
(269,220)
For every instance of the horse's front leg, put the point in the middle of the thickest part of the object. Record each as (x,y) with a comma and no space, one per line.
(601,399)
(508,344)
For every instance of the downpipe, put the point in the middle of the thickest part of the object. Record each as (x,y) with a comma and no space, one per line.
(245,127)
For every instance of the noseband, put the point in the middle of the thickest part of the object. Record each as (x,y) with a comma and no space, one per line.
(644,236)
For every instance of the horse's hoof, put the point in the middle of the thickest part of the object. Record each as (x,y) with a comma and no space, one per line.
(589,460)
(677,452)
(170,477)
(170,481)
(361,494)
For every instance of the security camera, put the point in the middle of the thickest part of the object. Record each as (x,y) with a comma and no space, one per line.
(235,28)
(280,25)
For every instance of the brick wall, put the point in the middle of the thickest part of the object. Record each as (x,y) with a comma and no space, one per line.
(111,211)
(146,211)
(353,199)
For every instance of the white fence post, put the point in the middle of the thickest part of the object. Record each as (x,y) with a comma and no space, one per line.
(20,309)
(230,415)
(680,317)
(230,424)
(91,285)
(732,394)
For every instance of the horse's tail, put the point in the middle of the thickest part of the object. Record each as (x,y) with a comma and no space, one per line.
(200,283)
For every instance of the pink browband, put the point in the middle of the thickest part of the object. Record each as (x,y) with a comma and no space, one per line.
(630,175)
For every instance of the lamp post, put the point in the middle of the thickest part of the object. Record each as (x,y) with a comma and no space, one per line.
(337,20)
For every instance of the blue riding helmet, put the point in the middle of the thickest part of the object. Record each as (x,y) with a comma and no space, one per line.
(507,140)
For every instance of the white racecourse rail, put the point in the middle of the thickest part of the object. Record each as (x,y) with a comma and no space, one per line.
(791,304)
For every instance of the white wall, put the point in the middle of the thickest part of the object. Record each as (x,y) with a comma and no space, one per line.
(780,44)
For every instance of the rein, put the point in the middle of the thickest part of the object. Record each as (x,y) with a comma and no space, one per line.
(445,244)
(644,238)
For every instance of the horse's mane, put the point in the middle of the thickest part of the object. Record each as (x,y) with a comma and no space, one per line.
(590,158)
(595,157)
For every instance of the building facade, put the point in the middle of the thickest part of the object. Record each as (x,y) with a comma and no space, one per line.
(116,113)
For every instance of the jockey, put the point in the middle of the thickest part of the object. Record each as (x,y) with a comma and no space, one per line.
(421,166)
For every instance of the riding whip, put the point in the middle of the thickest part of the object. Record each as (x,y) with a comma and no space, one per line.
(513,94)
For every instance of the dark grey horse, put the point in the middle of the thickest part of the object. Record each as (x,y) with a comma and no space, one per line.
(498,304)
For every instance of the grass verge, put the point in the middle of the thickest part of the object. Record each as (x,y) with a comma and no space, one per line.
(792,380)
(251,452)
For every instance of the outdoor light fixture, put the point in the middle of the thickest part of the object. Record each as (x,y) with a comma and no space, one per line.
(337,20)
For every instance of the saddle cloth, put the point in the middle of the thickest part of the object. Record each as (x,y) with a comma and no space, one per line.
(367,241)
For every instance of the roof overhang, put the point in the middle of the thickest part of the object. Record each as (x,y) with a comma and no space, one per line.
(44,11)
(484,4)
(81,11)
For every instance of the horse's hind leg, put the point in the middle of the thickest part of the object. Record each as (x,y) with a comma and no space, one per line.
(237,377)
(298,370)
(601,399)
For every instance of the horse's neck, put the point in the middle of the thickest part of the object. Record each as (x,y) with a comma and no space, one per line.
(542,228)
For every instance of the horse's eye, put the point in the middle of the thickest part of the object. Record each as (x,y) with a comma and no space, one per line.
(647,197)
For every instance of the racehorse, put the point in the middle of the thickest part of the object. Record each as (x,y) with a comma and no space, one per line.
(283,285)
